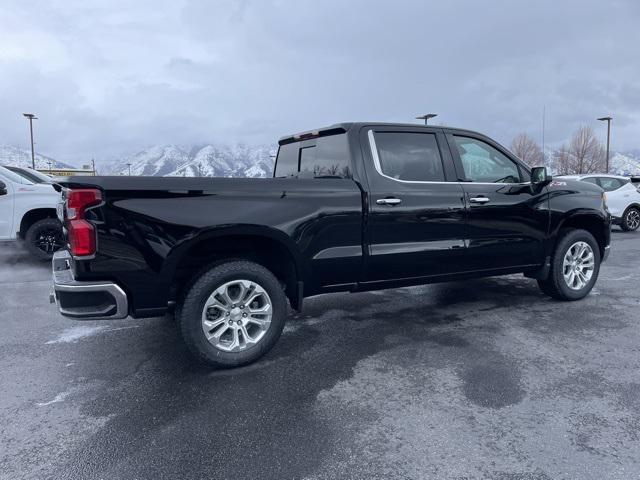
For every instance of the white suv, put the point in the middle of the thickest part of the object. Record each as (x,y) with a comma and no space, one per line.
(623,197)
(28,212)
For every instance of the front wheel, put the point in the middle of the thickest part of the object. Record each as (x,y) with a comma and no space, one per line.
(575,266)
(44,238)
(630,219)
(233,314)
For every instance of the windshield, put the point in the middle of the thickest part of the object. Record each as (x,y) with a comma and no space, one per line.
(30,174)
(13,177)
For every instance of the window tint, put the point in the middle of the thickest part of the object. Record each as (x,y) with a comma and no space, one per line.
(287,160)
(328,158)
(483,163)
(593,180)
(610,184)
(320,158)
(409,156)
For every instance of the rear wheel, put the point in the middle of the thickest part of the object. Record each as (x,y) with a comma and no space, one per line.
(574,267)
(630,219)
(233,314)
(44,238)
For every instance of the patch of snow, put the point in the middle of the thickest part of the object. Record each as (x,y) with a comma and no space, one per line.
(58,398)
(72,335)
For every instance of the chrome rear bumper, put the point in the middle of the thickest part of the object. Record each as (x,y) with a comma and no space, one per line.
(81,300)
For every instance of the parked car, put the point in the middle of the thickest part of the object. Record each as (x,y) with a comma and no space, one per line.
(623,197)
(28,213)
(352,207)
(30,174)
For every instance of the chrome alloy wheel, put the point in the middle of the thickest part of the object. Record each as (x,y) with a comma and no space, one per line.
(633,219)
(237,315)
(578,265)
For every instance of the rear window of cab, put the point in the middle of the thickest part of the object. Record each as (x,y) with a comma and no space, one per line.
(324,157)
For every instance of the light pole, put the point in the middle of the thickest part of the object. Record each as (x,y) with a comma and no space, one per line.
(129,165)
(426,117)
(31,118)
(608,120)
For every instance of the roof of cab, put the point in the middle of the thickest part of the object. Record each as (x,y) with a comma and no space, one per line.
(344,127)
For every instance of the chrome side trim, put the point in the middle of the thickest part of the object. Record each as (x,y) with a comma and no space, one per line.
(346,251)
(414,247)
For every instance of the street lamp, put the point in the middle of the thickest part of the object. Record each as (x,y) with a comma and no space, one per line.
(31,118)
(427,117)
(129,165)
(608,120)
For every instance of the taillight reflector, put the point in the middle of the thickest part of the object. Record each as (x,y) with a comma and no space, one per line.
(81,199)
(82,238)
(81,233)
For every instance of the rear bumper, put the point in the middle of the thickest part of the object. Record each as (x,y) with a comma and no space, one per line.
(99,300)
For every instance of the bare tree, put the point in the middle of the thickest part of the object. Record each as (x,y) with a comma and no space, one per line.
(562,161)
(527,150)
(587,153)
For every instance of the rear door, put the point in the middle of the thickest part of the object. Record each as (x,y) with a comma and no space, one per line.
(7,204)
(619,194)
(415,226)
(508,218)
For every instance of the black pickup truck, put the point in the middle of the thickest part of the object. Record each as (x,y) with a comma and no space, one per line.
(351,207)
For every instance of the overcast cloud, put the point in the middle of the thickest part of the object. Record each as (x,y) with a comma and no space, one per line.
(111,77)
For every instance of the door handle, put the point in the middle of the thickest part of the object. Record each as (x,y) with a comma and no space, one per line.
(479,200)
(388,201)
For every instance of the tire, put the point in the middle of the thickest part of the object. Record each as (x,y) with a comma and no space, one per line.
(227,318)
(630,219)
(556,285)
(43,238)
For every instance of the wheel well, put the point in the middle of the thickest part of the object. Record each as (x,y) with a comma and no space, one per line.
(633,205)
(265,251)
(32,216)
(591,224)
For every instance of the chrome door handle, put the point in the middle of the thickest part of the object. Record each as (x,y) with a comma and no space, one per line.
(479,200)
(388,201)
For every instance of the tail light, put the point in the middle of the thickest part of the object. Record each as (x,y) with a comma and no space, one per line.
(80,232)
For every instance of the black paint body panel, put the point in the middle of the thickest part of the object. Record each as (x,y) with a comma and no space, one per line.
(333,230)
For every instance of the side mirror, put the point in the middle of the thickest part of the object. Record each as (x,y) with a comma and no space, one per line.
(539,176)
(3,188)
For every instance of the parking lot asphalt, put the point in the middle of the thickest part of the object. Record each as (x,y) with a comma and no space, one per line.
(481,379)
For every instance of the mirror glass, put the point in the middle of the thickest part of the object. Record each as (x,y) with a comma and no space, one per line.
(538,174)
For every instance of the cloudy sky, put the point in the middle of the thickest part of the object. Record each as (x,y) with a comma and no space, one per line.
(112,77)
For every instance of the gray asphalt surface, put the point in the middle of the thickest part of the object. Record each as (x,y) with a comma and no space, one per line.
(482,379)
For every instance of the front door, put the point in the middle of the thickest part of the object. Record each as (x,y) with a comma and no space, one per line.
(508,218)
(416,211)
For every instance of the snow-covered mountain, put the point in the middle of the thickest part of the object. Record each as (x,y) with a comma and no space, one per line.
(157,161)
(10,155)
(202,161)
(625,163)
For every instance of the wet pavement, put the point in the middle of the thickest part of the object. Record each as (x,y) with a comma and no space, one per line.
(479,379)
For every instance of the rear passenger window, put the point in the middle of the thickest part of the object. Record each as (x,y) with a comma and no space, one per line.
(325,157)
(610,184)
(593,180)
(408,156)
